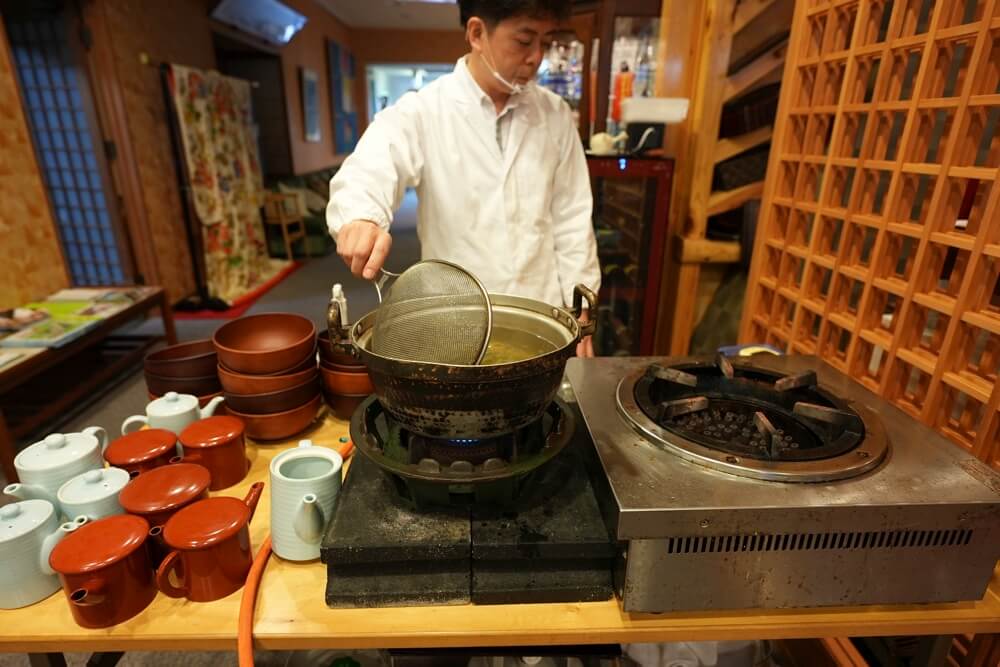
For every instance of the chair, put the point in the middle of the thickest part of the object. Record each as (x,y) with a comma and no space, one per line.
(282,210)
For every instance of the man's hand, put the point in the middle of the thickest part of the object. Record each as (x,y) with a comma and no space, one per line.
(585,348)
(363,246)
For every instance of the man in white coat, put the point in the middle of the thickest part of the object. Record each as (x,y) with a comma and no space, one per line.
(496,162)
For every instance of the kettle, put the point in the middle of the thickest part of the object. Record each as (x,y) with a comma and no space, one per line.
(603,143)
(172,411)
(29,530)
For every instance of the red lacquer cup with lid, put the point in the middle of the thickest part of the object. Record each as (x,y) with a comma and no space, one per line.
(218,444)
(210,548)
(105,570)
(143,450)
(158,494)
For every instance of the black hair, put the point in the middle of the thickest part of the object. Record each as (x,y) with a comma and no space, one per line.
(494,11)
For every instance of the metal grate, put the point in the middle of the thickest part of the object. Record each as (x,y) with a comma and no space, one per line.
(65,144)
(885,539)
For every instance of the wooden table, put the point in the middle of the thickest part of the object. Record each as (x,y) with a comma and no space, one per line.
(75,385)
(291,613)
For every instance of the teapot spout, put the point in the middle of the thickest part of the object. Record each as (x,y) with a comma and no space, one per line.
(52,540)
(30,492)
(253,496)
(308,521)
(209,409)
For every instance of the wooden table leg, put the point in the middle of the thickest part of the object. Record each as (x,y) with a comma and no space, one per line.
(46,660)
(167,315)
(8,450)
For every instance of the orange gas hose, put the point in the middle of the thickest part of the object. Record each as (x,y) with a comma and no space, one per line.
(248,601)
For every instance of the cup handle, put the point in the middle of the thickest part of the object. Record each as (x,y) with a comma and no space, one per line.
(134,420)
(101,435)
(171,563)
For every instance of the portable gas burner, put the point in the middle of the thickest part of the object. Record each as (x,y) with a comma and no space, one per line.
(436,521)
(779,482)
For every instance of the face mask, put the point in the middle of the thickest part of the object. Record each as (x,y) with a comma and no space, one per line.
(514,88)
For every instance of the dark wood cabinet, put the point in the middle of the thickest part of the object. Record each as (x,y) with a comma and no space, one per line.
(631,203)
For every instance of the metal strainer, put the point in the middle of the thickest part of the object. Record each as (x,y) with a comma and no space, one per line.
(434,312)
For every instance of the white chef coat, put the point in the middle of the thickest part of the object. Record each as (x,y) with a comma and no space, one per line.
(516,216)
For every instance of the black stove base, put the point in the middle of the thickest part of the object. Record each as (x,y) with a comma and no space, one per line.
(554,547)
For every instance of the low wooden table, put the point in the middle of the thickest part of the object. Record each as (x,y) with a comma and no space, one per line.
(291,612)
(74,383)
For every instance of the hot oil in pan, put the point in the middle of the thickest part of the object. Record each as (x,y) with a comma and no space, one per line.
(508,346)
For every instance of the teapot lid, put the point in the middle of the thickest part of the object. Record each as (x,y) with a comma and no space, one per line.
(96,545)
(55,450)
(165,488)
(140,445)
(171,403)
(93,485)
(206,522)
(211,431)
(18,519)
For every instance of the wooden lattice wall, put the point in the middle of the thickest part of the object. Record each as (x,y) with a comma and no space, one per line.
(878,246)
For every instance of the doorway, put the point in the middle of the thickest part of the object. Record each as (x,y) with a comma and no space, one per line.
(387,83)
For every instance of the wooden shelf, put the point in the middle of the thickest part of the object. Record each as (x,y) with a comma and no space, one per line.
(707,251)
(727,200)
(747,11)
(731,147)
(741,81)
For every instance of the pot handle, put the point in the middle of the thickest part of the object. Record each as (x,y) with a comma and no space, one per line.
(137,421)
(581,292)
(100,434)
(173,563)
(337,327)
(253,496)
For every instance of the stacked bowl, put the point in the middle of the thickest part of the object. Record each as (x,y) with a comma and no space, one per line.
(188,368)
(345,379)
(267,368)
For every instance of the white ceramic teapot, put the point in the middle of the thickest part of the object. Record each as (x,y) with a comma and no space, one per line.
(28,532)
(93,494)
(172,411)
(305,483)
(603,143)
(46,465)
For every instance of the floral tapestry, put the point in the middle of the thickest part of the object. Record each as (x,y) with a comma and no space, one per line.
(214,114)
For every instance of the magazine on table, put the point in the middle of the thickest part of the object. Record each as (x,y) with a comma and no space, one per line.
(51,332)
(15,319)
(65,315)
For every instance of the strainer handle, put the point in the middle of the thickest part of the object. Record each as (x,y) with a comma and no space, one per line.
(380,282)
(581,292)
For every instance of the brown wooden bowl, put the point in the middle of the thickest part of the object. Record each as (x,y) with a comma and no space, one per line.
(265,344)
(275,401)
(330,356)
(187,360)
(199,386)
(280,425)
(344,406)
(238,383)
(345,383)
